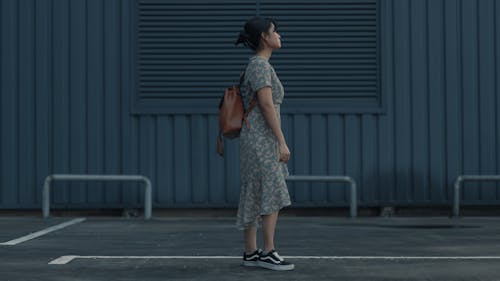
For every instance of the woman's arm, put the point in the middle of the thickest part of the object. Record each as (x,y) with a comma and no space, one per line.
(265,99)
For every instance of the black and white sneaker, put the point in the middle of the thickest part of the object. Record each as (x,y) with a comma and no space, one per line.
(251,259)
(273,261)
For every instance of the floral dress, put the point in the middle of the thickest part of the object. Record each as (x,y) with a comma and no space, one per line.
(263,187)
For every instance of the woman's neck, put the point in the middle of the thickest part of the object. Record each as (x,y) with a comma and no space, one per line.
(265,53)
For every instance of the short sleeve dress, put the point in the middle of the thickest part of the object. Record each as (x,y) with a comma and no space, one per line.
(263,186)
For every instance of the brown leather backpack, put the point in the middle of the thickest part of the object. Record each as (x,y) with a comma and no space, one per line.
(232,113)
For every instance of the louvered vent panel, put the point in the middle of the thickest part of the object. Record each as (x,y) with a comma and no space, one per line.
(329,48)
(186,48)
(186,54)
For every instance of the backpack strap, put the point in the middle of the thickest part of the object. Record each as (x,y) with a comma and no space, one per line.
(220,148)
(251,105)
(242,79)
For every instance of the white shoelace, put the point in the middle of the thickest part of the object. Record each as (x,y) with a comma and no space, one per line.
(278,256)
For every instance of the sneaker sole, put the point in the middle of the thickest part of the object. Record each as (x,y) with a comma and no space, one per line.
(276,267)
(250,263)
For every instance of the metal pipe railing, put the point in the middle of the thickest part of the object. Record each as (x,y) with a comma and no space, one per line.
(462,178)
(69,177)
(352,184)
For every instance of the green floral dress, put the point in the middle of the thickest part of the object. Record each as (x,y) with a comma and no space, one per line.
(263,187)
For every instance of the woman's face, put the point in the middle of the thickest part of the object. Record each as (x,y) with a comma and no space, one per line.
(272,38)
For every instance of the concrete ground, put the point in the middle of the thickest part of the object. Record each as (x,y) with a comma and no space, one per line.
(322,248)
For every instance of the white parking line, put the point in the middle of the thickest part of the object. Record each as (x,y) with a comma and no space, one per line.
(41,232)
(68,259)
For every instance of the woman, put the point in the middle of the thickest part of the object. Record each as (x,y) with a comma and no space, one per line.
(263,149)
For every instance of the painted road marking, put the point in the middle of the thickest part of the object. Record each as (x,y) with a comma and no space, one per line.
(41,232)
(70,258)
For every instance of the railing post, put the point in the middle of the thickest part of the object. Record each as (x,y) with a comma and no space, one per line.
(456,197)
(147,198)
(354,198)
(46,197)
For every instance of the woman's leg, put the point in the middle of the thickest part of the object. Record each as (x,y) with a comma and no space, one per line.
(250,239)
(268,228)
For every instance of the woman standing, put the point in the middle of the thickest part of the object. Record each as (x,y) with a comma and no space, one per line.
(263,149)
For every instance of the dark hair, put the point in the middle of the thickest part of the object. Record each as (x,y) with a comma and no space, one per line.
(250,35)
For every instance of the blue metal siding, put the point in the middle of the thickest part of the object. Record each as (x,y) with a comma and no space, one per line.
(43,99)
(453,102)
(66,96)
(497,86)
(80,93)
(9,102)
(26,85)
(487,95)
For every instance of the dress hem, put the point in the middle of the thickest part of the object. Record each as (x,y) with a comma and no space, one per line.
(255,223)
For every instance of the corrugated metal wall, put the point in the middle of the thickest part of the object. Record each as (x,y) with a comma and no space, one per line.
(66,103)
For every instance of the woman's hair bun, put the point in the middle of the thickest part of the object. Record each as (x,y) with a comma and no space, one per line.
(245,38)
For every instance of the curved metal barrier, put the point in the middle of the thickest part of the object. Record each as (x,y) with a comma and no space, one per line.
(352,184)
(69,177)
(462,178)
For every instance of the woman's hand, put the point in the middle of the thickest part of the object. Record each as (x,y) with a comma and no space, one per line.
(284,153)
